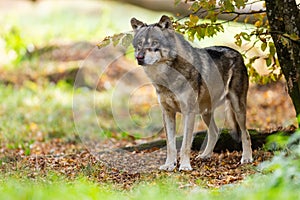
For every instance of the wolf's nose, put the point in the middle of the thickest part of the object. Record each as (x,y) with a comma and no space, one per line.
(140,58)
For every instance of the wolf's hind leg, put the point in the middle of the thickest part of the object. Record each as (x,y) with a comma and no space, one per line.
(212,135)
(239,109)
(170,129)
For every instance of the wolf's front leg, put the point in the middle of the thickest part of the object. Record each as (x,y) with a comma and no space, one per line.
(170,128)
(185,164)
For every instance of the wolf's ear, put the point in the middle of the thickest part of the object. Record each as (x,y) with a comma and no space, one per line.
(165,22)
(136,24)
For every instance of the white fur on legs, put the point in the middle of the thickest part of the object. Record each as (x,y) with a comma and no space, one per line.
(185,165)
(168,166)
(170,122)
(247,151)
(185,150)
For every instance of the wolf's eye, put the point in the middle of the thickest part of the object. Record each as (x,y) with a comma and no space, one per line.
(154,43)
(140,43)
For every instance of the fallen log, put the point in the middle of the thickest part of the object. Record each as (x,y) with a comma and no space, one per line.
(225,142)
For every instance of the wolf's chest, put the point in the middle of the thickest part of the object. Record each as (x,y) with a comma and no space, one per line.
(169,77)
(169,101)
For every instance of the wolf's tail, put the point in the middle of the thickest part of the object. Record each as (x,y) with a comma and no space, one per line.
(231,119)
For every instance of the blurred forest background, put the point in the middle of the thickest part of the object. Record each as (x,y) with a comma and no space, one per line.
(57,100)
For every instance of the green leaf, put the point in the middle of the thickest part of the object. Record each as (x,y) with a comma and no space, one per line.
(295,37)
(268,61)
(177,2)
(272,48)
(104,43)
(116,38)
(253,59)
(212,16)
(200,32)
(284,41)
(212,3)
(127,40)
(238,40)
(263,46)
(273,77)
(258,23)
(265,80)
(210,31)
(220,28)
(191,34)
(227,4)
(195,6)
(194,19)
(27,151)
(240,3)
(245,36)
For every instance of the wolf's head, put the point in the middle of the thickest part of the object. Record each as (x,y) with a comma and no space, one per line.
(154,43)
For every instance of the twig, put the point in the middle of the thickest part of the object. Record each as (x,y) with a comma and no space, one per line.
(245,13)
(297,41)
(252,46)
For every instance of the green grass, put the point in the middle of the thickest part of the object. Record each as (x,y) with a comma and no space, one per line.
(35,111)
(43,111)
(55,187)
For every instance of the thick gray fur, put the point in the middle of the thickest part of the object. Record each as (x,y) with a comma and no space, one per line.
(192,81)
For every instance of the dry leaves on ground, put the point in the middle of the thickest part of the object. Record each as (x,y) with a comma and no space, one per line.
(123,168)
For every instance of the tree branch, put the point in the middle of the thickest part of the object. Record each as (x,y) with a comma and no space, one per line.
(282,34)
(199,12)
(245,13)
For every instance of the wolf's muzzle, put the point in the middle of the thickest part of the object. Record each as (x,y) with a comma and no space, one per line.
(140,58)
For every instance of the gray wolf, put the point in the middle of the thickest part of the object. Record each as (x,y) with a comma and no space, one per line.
(192,81)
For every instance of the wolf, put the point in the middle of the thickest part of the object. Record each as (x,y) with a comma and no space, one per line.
(192,81)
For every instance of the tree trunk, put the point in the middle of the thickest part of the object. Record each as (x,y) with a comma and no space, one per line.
(284,18)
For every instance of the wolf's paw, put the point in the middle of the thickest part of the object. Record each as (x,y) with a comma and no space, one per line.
(168,167)
(245,159)
(203,156)
(185,167)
